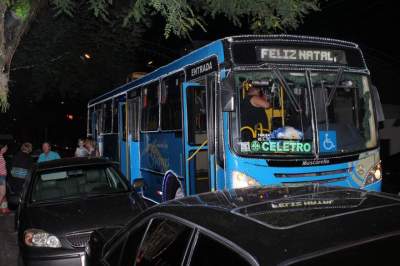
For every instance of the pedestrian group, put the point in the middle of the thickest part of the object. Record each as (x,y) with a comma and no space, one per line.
(22,163)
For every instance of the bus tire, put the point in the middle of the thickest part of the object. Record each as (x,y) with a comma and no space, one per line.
(171,187)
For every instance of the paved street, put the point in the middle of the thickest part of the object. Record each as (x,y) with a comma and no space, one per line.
(8,241)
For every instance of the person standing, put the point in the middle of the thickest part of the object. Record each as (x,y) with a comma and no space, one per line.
(90,145)
(21,164)
(48,154)
(3,174)
(81,151)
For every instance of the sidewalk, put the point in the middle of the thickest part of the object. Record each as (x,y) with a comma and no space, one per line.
(8,241)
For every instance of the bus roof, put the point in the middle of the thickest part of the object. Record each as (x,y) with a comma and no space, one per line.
(216,49)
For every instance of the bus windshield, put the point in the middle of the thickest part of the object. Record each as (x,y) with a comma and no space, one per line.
(300,114)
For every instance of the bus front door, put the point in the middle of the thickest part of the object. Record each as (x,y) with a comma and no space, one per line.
(133,137)
(197,174)
(122,140)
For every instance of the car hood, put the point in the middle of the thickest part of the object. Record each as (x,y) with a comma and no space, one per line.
(81,215)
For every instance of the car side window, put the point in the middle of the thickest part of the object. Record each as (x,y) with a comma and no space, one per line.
(208,251)
(165,244)
(132,245)
(114,257)
(123,252)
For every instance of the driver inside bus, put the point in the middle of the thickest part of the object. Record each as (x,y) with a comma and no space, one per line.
(257,98)
(253,106)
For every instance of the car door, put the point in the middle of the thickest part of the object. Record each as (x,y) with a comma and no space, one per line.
(158,241)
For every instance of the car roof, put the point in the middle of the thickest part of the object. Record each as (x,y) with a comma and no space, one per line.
(277,223)
(71,162)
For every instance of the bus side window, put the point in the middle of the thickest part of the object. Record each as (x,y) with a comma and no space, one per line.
(115,115)
(171,114)
(197,122)
(89,121)
(107,117)
(150,107)
(99,119)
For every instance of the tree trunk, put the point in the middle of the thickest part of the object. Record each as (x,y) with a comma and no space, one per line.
(12,28)
(4,72)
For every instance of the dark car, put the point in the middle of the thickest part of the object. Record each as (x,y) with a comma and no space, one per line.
(308,225)
(64,201)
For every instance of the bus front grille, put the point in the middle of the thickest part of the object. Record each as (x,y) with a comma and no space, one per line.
(313,174)
(319,182)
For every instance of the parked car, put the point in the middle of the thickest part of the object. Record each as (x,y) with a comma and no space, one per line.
(64,201)
(308,225)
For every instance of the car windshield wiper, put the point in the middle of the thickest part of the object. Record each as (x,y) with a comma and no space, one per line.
(100,194)
(57,200)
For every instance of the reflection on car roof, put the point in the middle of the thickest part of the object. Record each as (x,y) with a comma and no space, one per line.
(286,207)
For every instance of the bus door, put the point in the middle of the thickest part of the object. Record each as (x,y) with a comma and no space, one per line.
(122,140)
(197,174)
(133,137)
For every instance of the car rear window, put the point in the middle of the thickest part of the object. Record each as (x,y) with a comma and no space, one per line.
(76,182)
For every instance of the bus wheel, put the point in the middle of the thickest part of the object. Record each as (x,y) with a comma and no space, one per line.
(171,188)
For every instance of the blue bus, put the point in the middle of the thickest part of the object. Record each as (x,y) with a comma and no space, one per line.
(243,111)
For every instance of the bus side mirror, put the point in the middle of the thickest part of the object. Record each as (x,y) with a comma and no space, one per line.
(228,94)
(378,105)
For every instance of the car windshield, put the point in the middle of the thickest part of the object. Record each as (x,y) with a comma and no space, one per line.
(278,112)
(77,182)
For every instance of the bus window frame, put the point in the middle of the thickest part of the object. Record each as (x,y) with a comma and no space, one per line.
(181,74)
(158,81)
(133,131)
(89,120)
(98,109)
(115,121)
(104,116)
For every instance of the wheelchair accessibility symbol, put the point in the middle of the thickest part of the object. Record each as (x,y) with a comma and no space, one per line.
(327,141)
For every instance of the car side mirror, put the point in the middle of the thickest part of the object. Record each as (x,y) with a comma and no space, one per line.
(138,184)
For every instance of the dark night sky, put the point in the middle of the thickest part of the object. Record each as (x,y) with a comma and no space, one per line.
(50,57)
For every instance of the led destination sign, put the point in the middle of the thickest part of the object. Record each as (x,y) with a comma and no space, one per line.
(280,54)
(285,146)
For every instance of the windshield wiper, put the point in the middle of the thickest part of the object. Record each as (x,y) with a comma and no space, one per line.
(285,86)
(337,80)
(56,200)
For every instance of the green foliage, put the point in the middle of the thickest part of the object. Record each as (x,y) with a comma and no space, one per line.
(99,8)
(179,16)
(21,8)
(182,16)
(265,16)
(64,7)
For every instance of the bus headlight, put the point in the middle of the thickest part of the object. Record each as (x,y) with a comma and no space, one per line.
(373,175)
(240,180)
(40,238)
